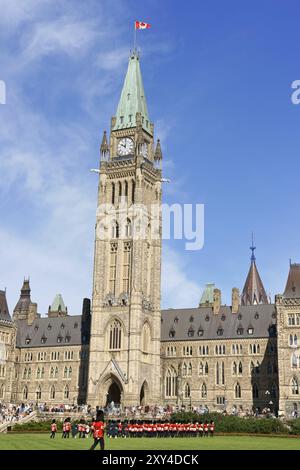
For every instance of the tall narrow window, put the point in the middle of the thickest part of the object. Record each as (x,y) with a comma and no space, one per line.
(115,335)
(217,374)
(133,192)
(223,373)
(238,392)
(203,391)
(52,393)
(187,391)
(295,386)
(113,267)
(126,266)
(126,190)
(66,392)
(120,190)
(113,193)
(146,338)
(170,383)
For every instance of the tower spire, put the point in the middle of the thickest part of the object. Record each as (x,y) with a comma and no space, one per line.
(254,292)
(132,108)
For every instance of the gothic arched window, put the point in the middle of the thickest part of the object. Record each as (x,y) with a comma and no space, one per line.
(66,392)
(203,391)
(240,368)
(52,393)
(187,391)
(146,337)
(25,393)
(115,335)
(234,368)
(170,383)
(295,386)
(38,393)
(206,369)
(238,392)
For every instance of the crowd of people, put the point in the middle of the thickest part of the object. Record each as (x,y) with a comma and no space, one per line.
(10,413)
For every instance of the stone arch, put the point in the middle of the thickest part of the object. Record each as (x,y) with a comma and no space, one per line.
(110,390)
(144,393)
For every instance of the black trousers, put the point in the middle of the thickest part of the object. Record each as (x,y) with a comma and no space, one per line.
(52,436)
(96,441)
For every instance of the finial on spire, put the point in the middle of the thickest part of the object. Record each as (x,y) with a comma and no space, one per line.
(252,248)
(104,148)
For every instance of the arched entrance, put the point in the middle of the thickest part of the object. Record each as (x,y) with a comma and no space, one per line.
(144,394)
(113,395)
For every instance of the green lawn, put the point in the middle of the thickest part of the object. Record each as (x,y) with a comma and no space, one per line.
(43,442)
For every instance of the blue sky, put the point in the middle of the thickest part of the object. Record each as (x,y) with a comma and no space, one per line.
(217,77)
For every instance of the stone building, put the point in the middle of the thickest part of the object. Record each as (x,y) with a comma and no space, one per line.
(125,349)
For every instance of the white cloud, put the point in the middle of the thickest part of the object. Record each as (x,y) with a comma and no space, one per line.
(64,34)
(178,290)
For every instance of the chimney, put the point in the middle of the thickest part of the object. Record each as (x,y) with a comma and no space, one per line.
(217,301)
(235,300)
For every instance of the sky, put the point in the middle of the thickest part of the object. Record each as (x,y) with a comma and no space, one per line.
(217,78)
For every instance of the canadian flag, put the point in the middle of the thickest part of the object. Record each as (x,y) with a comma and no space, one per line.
(141,25)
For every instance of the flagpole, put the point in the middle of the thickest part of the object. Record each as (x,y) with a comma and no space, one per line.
(134,38)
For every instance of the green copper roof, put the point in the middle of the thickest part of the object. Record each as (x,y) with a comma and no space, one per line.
(58,304)
(208,295)
(132,98)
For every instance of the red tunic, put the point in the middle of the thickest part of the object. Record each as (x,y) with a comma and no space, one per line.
(98,427)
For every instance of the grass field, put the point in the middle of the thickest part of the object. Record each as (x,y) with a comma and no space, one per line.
(43,442)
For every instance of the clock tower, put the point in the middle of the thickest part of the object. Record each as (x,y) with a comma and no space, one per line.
(124,363)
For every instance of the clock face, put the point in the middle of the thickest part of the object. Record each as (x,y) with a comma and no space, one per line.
(125,146)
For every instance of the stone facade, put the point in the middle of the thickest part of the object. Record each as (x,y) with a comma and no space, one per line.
(125,349)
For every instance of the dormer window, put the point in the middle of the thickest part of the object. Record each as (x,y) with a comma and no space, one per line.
(28,339)
(36,327)
(75,325)
(220,331)
(256,316)
(250,330)
(191,332)
(172,333)
(62,326)
(200,332)
(191,319)
(49,326)
(207,318)
(240,316)
(240,330)
(43,339)
(122,119)
(223,317)
(59,339)
(68,338)
(176,320)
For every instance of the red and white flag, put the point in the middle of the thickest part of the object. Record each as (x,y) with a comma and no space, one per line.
(141,25)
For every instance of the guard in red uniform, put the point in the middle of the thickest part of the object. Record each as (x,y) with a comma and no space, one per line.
(212,428)
(68,427)
(205,429)
(53,429)
(98,427)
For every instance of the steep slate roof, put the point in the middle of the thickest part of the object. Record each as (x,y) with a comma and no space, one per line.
(254,292)
(24,301)
(4,312)
(258,317)
(51,328)
(292,288)
(132,98)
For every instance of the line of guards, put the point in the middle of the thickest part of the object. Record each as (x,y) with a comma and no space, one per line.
(159,429)
(114,429)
